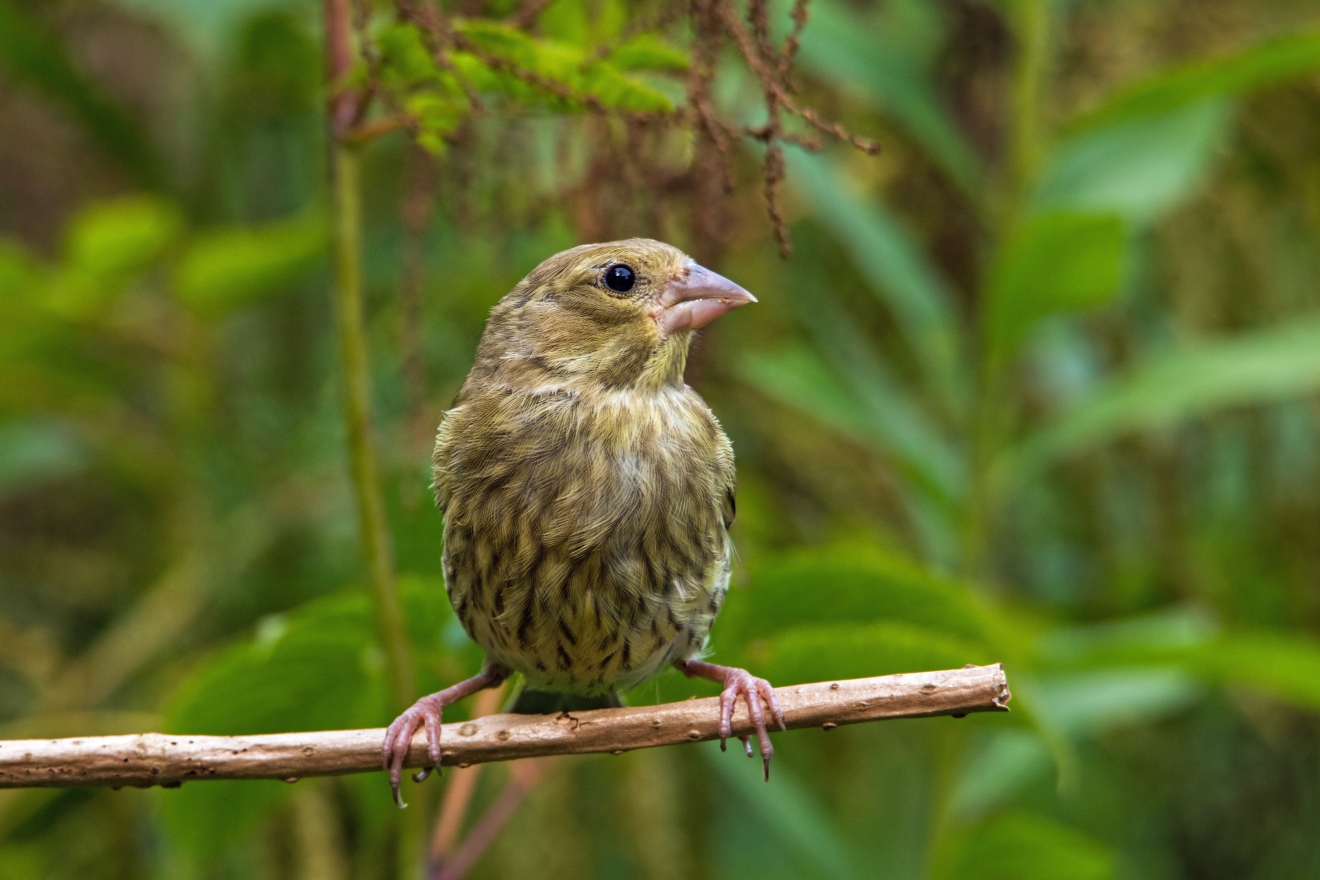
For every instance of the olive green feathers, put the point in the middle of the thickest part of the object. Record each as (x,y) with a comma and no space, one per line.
(586,490)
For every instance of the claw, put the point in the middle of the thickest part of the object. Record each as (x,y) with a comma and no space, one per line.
(398,739)
(426,713)
(740,682)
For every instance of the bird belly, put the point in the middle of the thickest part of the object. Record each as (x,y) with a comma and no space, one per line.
(586,622)
(591,565)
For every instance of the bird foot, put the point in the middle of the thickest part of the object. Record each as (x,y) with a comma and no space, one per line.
(427,712)
(758,694)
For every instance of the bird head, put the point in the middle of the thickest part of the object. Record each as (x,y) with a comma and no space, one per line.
(615,315)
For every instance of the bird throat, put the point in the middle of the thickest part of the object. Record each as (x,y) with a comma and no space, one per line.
(665,367)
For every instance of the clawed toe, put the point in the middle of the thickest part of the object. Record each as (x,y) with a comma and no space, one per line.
(758,694)
(398,739)
(756,691)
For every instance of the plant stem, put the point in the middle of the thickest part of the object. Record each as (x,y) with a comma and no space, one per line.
(1031,24)
(346,208)
(374,530)
(523,777)
(1032,27)
(459,791)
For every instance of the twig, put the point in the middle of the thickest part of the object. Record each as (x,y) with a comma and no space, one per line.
(339,63)
(527,13)
(367,131)
(458,793)
(793,42)
(149,759)
(523,777)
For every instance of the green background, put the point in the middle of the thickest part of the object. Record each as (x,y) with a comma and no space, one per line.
(1038,385)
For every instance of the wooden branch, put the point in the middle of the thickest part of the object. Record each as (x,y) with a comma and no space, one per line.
(149,759)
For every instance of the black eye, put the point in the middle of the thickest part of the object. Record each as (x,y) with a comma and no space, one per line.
(620,278)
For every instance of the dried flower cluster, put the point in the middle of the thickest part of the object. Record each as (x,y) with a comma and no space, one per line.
(421,70)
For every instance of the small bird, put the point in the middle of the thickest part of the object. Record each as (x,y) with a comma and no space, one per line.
(587,492)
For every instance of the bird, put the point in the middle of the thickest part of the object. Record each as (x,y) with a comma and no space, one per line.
(587,493)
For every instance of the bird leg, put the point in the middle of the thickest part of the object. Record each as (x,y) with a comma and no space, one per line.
(753,690)
(427,711)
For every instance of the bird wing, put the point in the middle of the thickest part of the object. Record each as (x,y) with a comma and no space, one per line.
(441,479)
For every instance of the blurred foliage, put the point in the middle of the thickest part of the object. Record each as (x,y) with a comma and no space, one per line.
(1038,385)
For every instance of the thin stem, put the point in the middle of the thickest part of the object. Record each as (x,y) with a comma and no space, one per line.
(523,777)
(1027,141)
(374,530)
(1032,28)
(346,109)
(459,791)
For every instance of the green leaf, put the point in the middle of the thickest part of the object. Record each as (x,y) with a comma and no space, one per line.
(315,668)
(1263,366)
(33,452)
(859,650)
(795,375)
(889,257)
(648,52)
(1093,702)
(890,62)
(436,116)
(229,269)
(898,422)
(1266,64)
(1136,640)
(304,671)
(1282,664)
(109,241)
(788,809)
(613,89)
(19,271)
(1055,262)
(850,584)
(434,98)
(107,245)
(858,397)
(1139,168)
(404,59)
(561,64)
(1007,762)
(1025,846)
(1287,666)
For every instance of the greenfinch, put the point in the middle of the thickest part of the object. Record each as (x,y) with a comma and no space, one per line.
(587,491)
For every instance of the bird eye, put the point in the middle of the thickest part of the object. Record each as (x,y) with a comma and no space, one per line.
(620,278)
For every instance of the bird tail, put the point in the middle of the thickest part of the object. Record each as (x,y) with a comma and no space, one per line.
(527,701)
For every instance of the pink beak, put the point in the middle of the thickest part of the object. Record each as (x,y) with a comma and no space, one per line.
(696,299)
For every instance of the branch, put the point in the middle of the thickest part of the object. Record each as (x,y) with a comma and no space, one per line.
(148,759)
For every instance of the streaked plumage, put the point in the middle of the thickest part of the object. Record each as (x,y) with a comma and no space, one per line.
(587,491)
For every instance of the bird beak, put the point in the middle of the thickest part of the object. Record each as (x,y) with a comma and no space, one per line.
(696,299)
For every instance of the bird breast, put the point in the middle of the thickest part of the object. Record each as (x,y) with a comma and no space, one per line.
(584,538)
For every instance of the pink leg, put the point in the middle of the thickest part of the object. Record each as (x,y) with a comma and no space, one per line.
(426,711)
(753,690)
